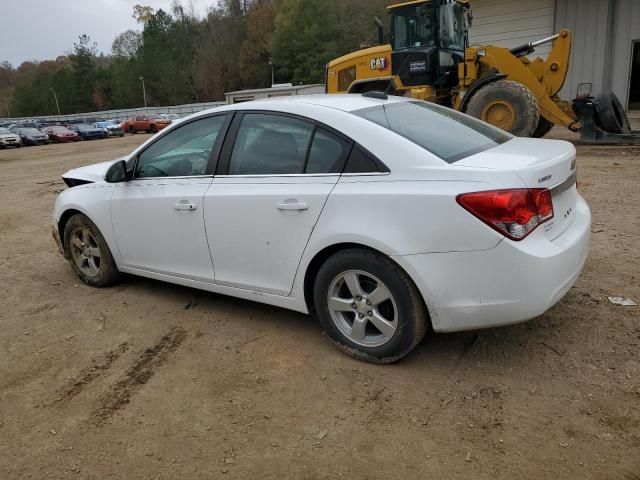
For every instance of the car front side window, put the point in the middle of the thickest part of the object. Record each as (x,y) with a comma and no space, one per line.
(182,152)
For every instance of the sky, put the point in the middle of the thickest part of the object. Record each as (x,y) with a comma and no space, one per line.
(44,29)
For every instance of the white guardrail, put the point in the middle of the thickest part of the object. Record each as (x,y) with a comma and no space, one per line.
(123,114)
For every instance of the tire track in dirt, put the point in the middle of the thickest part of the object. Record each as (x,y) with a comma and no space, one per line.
(138,375)
(98,368)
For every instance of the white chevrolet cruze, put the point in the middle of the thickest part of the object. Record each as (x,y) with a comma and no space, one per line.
(383,216)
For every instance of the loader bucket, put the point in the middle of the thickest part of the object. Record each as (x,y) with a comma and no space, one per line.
(604,124)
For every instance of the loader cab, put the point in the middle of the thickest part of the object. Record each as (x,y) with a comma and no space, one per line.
(428,41)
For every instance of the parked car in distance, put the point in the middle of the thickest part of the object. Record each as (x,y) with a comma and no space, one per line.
(9,139)
(42,125)
(110,128)
(31,136)
(87,132)
(145,123)
(60,134)
(22,125)
(385,216)
(170,116)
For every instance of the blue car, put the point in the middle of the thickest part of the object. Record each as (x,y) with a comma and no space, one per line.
(110,128)
(87,132)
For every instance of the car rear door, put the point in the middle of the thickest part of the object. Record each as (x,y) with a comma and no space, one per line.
(158,215)
(275,175)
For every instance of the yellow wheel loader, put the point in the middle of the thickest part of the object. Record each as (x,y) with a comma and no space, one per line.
(429,58)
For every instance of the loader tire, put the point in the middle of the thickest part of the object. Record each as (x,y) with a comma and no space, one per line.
(611,113)
(544,127)
(507,105)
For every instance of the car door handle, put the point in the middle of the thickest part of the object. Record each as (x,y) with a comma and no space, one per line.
(184,205)
(293,205)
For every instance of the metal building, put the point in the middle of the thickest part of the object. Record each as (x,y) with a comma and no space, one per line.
(606,38)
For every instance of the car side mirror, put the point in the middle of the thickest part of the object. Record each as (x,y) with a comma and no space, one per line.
(117,173)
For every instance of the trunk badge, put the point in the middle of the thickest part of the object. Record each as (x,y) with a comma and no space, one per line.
(545,178)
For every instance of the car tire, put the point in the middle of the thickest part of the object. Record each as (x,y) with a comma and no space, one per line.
(154,129)
(611,113)
(132,130)
(389,323)
(88,252)
(508,105)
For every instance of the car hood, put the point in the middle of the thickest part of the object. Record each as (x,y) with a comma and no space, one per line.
(91,173)
(8,135)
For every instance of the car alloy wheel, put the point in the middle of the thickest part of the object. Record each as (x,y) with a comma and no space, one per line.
(85,252)
(362,308)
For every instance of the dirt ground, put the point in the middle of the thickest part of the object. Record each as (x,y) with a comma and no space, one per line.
(154,381)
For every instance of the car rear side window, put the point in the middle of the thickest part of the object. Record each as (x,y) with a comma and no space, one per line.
(269,144)
(446,133)
(360,161)
(327,153)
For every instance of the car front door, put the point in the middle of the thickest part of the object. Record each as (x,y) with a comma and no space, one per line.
(157,216)
(275,175)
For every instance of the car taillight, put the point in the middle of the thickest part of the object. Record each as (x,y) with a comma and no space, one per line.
(514,213)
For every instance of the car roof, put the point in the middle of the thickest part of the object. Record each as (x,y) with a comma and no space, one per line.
(342,102)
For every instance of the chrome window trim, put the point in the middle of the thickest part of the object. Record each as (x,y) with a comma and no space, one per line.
(188,177)
(282,175)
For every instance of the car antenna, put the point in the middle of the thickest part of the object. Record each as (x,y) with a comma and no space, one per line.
(376,94)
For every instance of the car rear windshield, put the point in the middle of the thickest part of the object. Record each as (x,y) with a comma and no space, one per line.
(446,133)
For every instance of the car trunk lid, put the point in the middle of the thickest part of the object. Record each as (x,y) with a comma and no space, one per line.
(539,163)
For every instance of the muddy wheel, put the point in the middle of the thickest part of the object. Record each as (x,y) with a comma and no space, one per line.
(544,127)
(507,105)
(611,113)
(89,253)
(369,306)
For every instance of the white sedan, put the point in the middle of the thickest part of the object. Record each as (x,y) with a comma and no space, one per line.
(386,217)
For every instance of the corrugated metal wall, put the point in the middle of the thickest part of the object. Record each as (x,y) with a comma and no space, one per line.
(588,21)
(509,23)
(603,34)
(627,29)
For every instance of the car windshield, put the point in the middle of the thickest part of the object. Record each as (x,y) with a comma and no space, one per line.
(444,132)
(59,129)
(83,126)
(4,131)
(30,131)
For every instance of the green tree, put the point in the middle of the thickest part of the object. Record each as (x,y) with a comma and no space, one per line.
(307,36)
(84,74)
(254,56)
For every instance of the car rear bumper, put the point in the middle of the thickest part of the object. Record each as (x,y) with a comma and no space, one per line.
(511,283)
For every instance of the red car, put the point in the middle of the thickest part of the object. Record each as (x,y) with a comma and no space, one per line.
(145,123)
(62,134)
